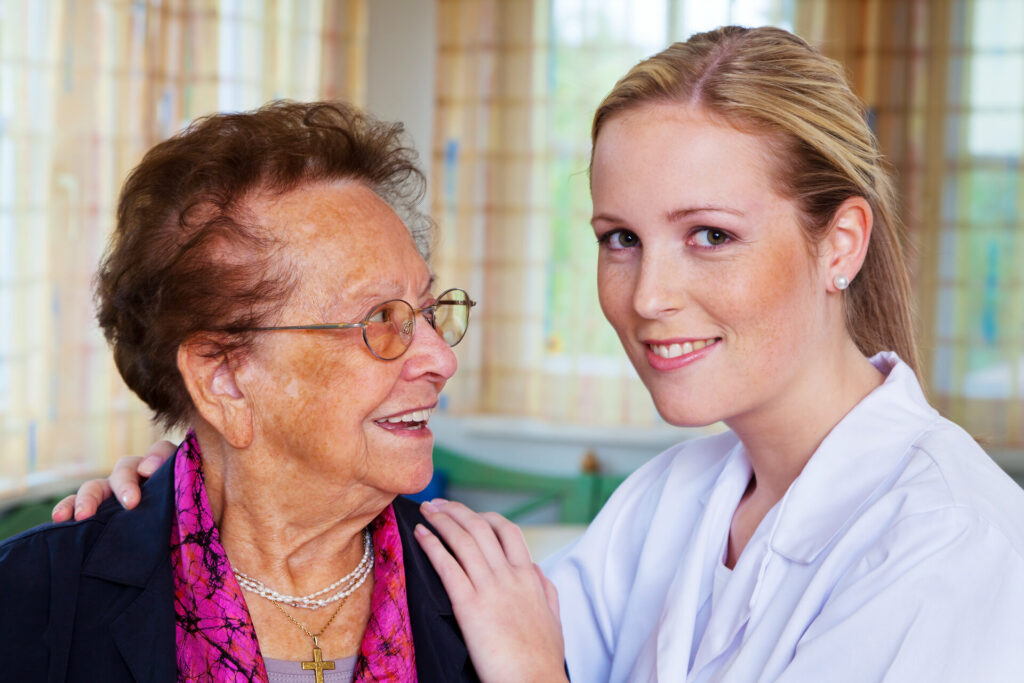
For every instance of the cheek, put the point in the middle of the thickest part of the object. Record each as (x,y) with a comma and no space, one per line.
(771,301)
(311,389)
(614,291)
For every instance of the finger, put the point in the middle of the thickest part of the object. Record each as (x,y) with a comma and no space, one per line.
(63,509)
(454,579)
(511,538)
(550,592)
(462,543)
(156,456)
(481,531)
(90,495)
(124,481)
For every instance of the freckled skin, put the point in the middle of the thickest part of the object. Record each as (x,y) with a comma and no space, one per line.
(758,292)
(317,393)
(291,504)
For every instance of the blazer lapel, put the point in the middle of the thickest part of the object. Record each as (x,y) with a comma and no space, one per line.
(144,632)
(134,551)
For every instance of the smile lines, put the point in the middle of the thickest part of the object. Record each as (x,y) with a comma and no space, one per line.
(677,350)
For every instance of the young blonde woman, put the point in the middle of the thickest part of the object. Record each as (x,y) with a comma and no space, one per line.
(752,263)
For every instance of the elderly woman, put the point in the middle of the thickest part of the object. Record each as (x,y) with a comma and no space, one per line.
(261,288)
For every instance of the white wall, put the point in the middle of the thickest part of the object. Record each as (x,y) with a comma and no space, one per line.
(401,68)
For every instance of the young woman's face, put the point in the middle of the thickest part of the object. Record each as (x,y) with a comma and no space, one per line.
(703,271)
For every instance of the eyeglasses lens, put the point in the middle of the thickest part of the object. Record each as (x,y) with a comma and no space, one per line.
(389,329)
(451,317)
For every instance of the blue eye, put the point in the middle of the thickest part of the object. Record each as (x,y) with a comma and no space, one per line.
(619,239)
(710,237)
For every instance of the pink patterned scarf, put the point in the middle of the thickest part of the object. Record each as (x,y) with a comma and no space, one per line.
(215,637)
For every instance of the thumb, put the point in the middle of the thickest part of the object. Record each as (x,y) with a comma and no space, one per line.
(550,592)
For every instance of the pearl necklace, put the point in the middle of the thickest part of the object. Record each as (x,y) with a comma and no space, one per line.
(351,581)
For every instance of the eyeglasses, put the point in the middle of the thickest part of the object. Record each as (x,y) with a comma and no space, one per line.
(389,328)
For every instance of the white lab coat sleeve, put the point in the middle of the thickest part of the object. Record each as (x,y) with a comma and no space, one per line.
(595,575)
(939,597)
(586,630)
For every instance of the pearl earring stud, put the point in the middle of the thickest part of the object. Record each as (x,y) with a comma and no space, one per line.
(841,282)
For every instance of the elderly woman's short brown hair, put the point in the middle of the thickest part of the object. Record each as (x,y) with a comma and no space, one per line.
(187,256)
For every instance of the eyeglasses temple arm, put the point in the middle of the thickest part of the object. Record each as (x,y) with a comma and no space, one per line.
(323,326)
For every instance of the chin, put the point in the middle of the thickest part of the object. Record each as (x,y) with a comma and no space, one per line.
(416,479)
(677,414)
(419,485)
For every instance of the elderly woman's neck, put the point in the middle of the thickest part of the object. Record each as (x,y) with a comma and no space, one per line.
(279,524)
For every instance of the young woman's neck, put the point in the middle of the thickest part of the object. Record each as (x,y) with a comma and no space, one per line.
(780,438)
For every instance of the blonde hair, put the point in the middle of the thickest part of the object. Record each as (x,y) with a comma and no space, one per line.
(769,81)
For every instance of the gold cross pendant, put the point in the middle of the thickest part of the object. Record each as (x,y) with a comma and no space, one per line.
(318,664)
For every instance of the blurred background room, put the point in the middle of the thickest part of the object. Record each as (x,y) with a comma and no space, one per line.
(546,415)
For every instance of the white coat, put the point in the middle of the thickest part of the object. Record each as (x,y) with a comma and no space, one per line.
(896,555)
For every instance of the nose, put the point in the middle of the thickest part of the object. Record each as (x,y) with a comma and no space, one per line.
(659,285)
(428,355)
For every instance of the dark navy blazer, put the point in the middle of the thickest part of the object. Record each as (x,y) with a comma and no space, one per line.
(94,600)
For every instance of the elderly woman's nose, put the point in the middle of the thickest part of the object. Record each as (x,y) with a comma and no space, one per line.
(429,353)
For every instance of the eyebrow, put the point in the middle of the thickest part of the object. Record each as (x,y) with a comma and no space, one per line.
(680,214)
(672,216)
(389,289)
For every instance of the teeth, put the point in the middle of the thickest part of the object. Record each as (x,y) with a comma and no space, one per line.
(411,416)
(676,350)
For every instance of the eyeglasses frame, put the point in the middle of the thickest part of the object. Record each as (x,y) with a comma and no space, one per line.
(416,312)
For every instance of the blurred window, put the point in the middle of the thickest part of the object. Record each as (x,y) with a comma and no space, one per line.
(979,322)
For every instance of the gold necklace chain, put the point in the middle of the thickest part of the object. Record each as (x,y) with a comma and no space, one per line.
(317,665)
(295,621)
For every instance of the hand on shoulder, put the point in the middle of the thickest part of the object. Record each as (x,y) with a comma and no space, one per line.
(125,480)
(506,607)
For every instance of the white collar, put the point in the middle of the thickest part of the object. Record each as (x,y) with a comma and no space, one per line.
(854,460)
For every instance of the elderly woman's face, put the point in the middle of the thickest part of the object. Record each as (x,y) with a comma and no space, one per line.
(703,270)
(320,398)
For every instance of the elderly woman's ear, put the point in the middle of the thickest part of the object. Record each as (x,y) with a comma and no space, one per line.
(212,379)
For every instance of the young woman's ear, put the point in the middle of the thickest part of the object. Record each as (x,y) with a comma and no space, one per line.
(211,377)
(847,242)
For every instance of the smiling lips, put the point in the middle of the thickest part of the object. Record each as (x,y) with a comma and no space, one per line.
(412,420)
(669,351)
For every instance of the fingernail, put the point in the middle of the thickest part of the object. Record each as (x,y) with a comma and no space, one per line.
(124,498)
(439,501)
(421,531)
(428,506)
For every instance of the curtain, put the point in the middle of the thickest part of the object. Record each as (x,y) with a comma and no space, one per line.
(487,195)
(85,89)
